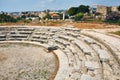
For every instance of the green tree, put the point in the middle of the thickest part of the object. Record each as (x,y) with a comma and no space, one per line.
(119,8)
(83,9)
(72,11)
(7,18)
(48,16)
(78,16)
(23,16)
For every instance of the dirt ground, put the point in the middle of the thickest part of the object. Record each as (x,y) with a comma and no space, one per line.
(93,25)
(83,25)
(25,62)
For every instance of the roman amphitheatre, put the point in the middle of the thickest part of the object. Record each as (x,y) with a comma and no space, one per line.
(59,53)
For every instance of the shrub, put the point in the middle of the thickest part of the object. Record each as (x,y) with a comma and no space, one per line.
(78,16)
(113,16)
(48,16)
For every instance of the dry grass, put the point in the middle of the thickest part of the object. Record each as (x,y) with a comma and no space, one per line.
(89,25)
(83,25)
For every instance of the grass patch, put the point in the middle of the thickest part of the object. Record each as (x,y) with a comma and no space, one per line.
(112,22)
(93,20)
(4,45)
(117,33)
(117,22)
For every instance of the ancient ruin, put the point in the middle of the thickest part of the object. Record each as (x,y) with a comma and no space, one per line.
(82,54)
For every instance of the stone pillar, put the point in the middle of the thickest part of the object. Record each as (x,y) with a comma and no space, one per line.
(42,15)
(63,15)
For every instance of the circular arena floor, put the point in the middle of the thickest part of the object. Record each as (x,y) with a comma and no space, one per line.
(25,62)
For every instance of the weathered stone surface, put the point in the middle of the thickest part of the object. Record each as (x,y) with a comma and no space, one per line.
(82,54)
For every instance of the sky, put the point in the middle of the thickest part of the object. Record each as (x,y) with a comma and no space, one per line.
(39,5)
